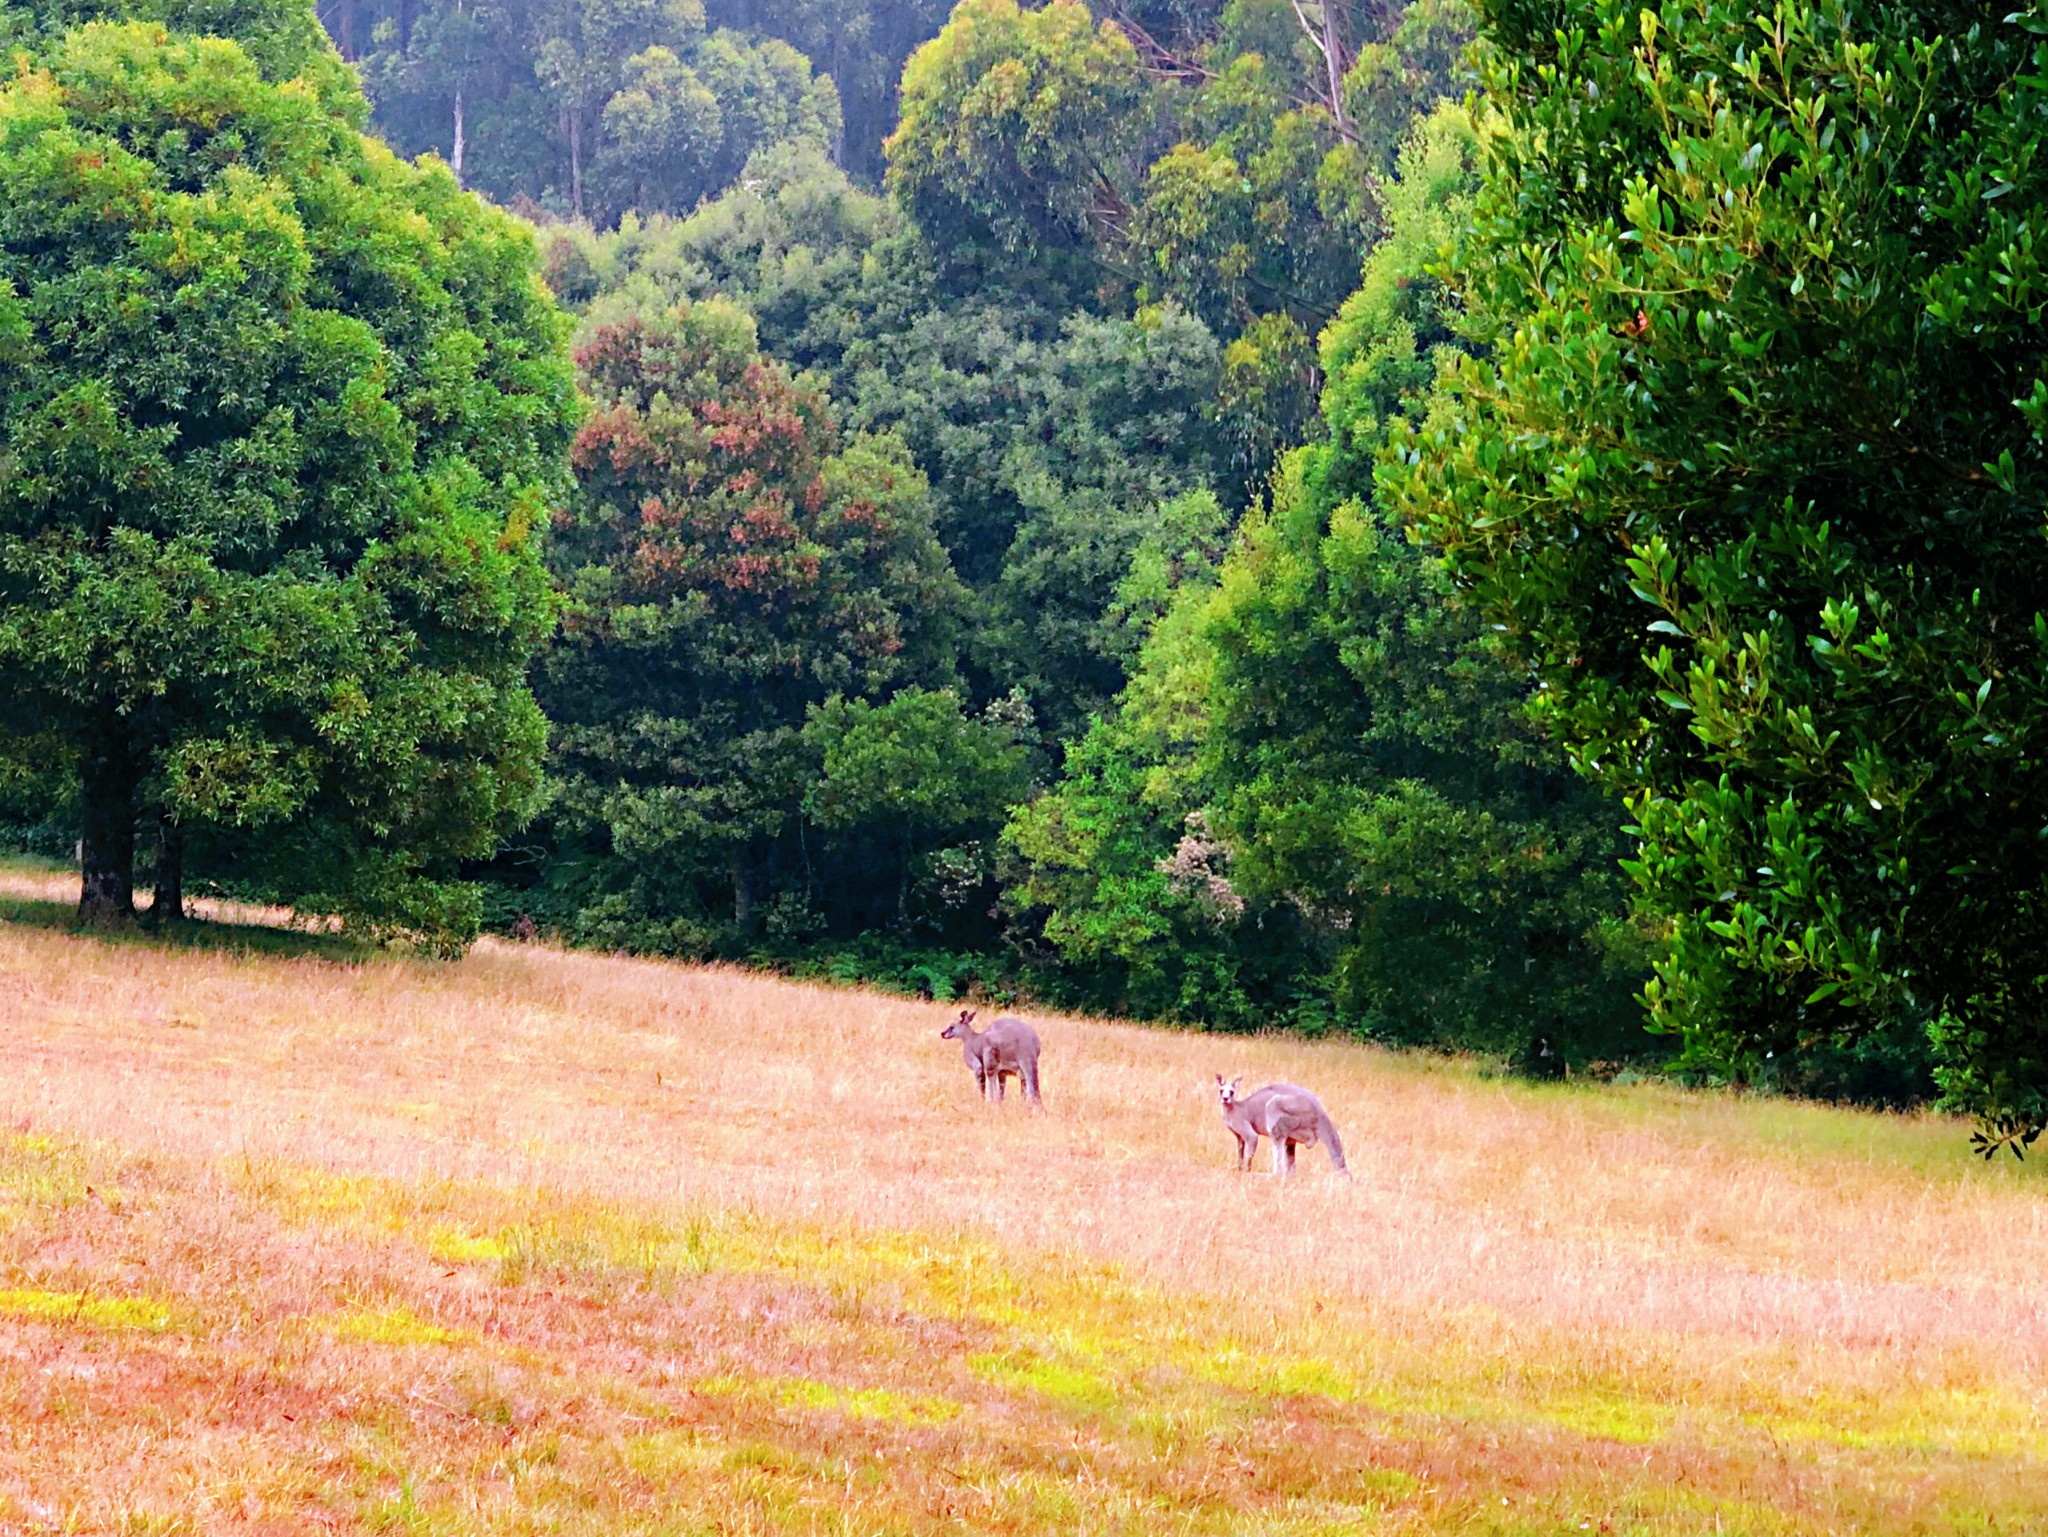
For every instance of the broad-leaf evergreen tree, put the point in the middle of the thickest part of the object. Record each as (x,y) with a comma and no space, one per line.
(280,419)
(1748,464)
(585,108)
(731,565)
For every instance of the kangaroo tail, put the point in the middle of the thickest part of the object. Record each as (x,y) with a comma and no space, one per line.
(1328,1132)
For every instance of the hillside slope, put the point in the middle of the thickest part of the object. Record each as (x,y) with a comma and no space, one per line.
(293,1238)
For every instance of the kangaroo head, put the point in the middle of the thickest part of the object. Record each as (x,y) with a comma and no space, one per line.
(1226,1090)
(960,1029)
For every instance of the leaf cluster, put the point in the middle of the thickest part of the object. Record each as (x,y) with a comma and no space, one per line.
(1746,461)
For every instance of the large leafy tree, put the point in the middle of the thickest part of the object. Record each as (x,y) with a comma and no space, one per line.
(1015,123)
(590,108)
(1750,469)
(859,44)
(279,419)
(1117,874)
(731,566)
(912,785)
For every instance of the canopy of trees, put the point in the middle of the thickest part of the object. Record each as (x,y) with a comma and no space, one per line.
(280,417)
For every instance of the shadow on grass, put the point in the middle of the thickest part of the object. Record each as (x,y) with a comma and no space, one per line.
(189,934)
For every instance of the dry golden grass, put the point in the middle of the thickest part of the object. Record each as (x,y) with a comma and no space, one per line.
(293,1238)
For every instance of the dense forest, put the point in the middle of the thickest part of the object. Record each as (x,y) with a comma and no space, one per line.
(1478,529)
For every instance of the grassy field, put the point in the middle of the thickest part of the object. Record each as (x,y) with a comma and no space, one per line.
(296,1239)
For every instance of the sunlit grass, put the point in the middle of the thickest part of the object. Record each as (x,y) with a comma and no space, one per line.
(554,1243)
(83,1310)
(390,1326)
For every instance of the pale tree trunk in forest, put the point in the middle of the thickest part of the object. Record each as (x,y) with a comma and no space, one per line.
(1329,42)
(106,845)
(455,158)
(839,138)
(170,872)
(455,163)
(743,892)
(562,128)
(576,161)
(1333,61)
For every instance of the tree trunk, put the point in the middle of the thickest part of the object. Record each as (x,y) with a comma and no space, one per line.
(106,845)
(170,872)
(576,161)
(455,161)
(838,138)
(1333,60)
(743,892)
(346,10)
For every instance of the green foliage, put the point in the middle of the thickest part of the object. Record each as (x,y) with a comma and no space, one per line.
(1319,757)
(1061,364)
(1051,445)
(1010,119)
(887,961)
(914,763)
(1364,763)
(733,570)
(589,107)
(279,414)
(1748,465)
(1223,166)
(282,38)
(859,45)
(1133,896)
(913,782)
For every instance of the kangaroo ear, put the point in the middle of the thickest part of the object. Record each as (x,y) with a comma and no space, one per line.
(1219,1080)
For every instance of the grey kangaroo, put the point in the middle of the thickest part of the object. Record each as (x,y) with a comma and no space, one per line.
(1292,1117)
(1006,1049)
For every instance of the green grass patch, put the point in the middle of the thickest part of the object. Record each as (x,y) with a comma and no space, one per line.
(397,1326)
(807,1393)
(453,1246)
(41,1174)
(1610,1417)
(152,1315)
(1276,1377)
(1024,1371)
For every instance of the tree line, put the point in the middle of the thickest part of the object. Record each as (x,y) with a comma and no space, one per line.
(1462,527)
